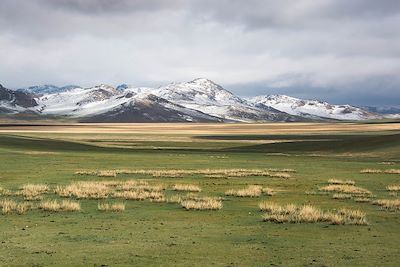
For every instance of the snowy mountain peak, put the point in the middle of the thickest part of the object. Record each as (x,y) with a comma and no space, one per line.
(313,108)
(103,87)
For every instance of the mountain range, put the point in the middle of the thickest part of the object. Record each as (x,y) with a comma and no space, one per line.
(200,100)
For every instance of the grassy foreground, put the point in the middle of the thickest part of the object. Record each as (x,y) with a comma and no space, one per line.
(149,233)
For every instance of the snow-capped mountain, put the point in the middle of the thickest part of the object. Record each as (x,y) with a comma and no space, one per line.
(313,108)
(210,98)
(46,89)
(200,100)
(15,102)
(386,111)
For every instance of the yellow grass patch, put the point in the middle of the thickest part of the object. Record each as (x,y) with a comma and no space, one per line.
(389,171)
(64,205)
(186,187)
(371,171)
(118,207)
(362,199)
(291,213)
(175,199)
(202,204)
(341,182)
(91,190)
(390,204)
(347,189)
(393,187)
(9,206)
(250,191)
(268,191)
(140,195)
(33,191)
(392,171)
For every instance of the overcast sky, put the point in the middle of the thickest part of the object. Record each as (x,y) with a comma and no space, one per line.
(343,51)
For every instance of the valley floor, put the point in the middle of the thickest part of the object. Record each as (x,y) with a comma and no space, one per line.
(289,163)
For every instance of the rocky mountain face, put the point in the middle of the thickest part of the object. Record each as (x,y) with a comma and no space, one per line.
(15,101)
(200,100)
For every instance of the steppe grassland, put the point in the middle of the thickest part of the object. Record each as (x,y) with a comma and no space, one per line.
(220,236)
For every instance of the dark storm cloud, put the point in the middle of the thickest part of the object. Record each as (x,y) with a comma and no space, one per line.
(329,49)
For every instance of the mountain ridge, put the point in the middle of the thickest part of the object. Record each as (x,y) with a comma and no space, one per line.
(199,100)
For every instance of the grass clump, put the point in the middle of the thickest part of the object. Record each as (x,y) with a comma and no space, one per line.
(362,199)
(250,191)
(341,182)
(371,171)
(268,191)
(347,189)
(292,213)
(140,195)
(90,190)
(206,203)
(393,188)
(186,187)
(55,206)
(116,207)
(33,191)
(389,204)
(9,206)
(389,171)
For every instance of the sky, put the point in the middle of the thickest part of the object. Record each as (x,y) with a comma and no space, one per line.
(335,50)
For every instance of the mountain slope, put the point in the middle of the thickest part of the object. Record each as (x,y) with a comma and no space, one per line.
(210,98)
(150,108)
(313,108)
(14,101)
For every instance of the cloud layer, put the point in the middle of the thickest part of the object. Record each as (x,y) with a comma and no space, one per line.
(336,50)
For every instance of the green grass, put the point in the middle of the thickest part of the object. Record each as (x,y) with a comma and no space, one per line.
(164,234)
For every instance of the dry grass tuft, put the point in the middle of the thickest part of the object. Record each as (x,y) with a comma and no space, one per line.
(392,171)
(393,187)
(90,190)
(387,163)
(202,204)
(140,195)
(175,199)
(347,189)
(250,191)
(9,206)
(362,199)
(291,213)
(389,204)
(33,191)
(341,182)
(186,187)
(341,196)
(65,205)
(5,192)
(268,191)
(370,171)
(389,171)
(118,207)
